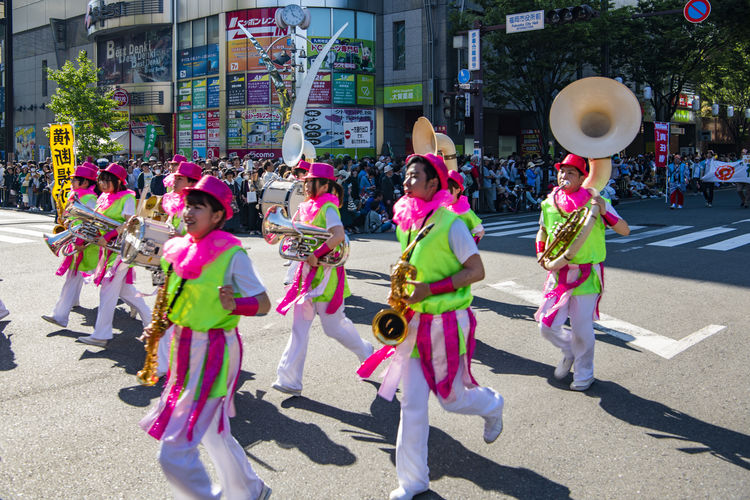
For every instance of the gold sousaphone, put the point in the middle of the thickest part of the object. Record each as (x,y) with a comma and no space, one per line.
(425,140)
(595,118)
(294,146)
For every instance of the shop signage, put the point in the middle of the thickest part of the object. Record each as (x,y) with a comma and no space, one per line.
(98,11)
(401,94)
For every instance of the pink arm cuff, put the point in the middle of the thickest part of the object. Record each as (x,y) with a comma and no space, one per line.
(246,306)
(442,286)
(111,235)
(322,250)
(540,246)
(610,219)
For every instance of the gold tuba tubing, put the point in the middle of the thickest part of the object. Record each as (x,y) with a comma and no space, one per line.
(92,225)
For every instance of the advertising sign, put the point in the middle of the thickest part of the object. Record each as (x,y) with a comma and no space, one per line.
(347,54)
(236,90)
(321,89)
(213,139)
(474,50)
(357,135)
(324,127)
(149,141)
(213,93)
(344,88)
(184,96)
(264,128)
(184,134)
(25,142)
(400,94)
(236,130)
(61,142)
(258,89)
(661,144)
(531,142)
(199,93)
(365,90)
(136,58)
(241,55)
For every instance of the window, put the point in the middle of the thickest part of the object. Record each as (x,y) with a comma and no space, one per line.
(183,36)
(212,29)
(199,33)
(320,22)
(399,45)
(44,78)
(365,26)
(339,18)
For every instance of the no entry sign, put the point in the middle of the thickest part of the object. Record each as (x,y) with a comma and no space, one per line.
(697,11)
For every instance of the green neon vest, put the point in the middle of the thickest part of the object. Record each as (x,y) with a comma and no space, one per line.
(91,252)
(333,281)
(593,250)
(115,212)
(471,219)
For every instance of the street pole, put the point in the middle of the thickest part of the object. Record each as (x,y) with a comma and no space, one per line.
(10,140)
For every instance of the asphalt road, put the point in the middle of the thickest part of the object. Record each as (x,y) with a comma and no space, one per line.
(668,416)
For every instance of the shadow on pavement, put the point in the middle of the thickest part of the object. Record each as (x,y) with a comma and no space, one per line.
(447,456)
(7,356)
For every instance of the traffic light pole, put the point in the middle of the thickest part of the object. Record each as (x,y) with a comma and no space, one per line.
(478,103)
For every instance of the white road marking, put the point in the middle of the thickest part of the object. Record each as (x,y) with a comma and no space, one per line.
(632,228)
(11,239)
(26,232)
(687,238)
(45,227)
(503,223)
(741,221)
(648,234)
(729,244)
(663,346)
(530,226)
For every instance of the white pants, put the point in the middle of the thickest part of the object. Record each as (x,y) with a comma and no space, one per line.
(109,292)
(578,342)
(336,325)
(69,296)
(164,350)
(3,309)
(180,461)
(414,428)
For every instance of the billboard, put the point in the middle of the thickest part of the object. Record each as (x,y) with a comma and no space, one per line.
(241,55)
(136,57)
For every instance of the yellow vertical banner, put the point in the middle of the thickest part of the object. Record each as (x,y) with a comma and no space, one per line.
(61,143)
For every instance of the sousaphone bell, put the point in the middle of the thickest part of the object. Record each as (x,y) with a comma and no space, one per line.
(425,140)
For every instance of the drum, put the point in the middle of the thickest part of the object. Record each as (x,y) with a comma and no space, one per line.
(286,194)
(143,241)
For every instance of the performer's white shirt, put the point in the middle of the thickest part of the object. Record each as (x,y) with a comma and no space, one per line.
(128,208)
(460,240)
(242,276)
(332,219)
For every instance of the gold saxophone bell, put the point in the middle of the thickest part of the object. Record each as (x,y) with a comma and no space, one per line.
(389,325)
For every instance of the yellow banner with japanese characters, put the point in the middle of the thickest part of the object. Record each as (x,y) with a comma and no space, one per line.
(61,144)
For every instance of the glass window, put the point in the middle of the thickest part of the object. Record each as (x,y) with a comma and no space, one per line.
(212,29)
(183,36)
(320,22)
(399,45)
(199,33)
(339,18)
(365,26)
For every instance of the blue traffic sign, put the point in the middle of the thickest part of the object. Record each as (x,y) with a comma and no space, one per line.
(697,11)
(464,76)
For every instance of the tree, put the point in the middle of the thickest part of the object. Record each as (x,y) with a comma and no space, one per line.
(90,108)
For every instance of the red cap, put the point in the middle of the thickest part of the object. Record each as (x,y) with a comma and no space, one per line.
(574,161)
(320,171)
(216,188)
(456,178)
(189,170)
(438,164)
(87,172)
(177,159)
(118,171)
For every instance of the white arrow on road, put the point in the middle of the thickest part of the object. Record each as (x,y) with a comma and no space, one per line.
(663,346)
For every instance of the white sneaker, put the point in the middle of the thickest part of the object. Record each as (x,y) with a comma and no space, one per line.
(286,390)
(581,385)
(673,206)
(679,206)
(90,340)
(493,426)
(563,368)
(52,320)
(401,494)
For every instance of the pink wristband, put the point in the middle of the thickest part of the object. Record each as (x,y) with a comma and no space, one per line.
(442,286)
(610,219)
(246,306)
(322,250)
(111,235)
(540,246)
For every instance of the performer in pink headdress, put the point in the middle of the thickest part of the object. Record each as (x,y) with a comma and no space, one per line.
(574,291)
(436,354)
(211,283)
(114,278)
(318,290)
(85,259)
(461,206)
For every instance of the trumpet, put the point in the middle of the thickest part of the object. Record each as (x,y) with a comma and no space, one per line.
(389,325)
(92,226)
(297,241)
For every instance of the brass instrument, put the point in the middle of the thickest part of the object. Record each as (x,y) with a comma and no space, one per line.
(92,226)
(594,118)
(389,325)
(297,240)
(425,140)
(142,242)
(152,209)
(159,324)
(294,146)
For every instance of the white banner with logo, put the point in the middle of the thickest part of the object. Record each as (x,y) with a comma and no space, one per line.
(722,171)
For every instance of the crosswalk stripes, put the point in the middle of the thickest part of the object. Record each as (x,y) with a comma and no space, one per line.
(687,238)
(648,234)
(14,240)
(730,244)
(523,227)
(25,232)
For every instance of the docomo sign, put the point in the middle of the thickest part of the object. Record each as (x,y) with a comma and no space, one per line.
(121,97)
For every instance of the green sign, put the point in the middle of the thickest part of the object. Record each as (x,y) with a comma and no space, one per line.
(199,94)
(149,140)
(683,116)
(366,89)
(185,96)
(398,94)
(344,88)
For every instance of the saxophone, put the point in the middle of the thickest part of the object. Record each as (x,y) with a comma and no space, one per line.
(389,325)
(159,324)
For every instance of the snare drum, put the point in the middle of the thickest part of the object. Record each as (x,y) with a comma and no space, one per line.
(286,194)
(143,242)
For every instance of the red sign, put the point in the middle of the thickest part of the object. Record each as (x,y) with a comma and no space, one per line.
(347,134)
(121,97)
(661,144)
(697,11)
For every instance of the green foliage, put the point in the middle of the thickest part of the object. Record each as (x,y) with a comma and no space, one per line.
(79,100)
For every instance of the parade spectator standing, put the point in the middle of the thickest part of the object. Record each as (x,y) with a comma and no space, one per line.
(388,189)
(156,186)
(268,174)
(707,187)
(677,171)
(144,181)
(250,189)
(743,188)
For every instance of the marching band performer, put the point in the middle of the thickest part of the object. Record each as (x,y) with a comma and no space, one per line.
(84,261)
(114,278)
(460,205)
(185,175)
(574,291)
(436,353)
(211,282)
(317,290)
